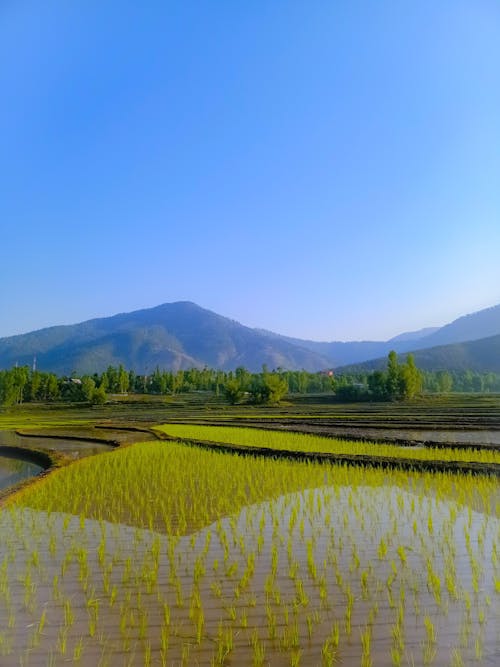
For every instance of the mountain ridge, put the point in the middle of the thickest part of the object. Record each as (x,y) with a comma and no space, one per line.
(181,335)
(481,355)
(175,335)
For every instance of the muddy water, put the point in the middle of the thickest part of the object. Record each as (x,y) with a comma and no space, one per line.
(463,437)
(72,448)
(333,575)
(14,470)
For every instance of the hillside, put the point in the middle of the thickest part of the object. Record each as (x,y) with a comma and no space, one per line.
(478,355)
(339,353)
(176,335)
(414,335)
(184,335)
(475,326)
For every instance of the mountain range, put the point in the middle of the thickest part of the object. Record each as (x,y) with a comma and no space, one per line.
(184,335)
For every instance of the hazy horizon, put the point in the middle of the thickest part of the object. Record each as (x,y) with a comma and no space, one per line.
(283,333)
(325,171)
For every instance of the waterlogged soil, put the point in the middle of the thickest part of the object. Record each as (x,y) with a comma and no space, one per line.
(332,575)
(75,442)
(469,420)
(380,433)
(72,448)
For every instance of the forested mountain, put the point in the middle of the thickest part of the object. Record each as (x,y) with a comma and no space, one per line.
(173,335)
(475,326)
(340,353)
(182,335)
(478,325)
(482,356)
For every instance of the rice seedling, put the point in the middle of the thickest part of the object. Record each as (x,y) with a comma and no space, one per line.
(313,443)
(261,561)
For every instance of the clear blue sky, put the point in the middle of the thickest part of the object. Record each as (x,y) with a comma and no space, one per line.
(328,170)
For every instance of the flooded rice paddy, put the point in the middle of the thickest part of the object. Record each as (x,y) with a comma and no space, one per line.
(14,470)
(444,436)
(250,562)
(72,448)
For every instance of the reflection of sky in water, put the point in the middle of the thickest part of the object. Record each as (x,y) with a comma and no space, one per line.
(329,538)
(14,470)
(72,448)
(460,437)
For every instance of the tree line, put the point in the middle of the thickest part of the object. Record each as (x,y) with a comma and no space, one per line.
(373,385)
(400,381)
(397,382)
(21,384)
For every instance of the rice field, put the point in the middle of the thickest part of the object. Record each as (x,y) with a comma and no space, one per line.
(305,442)
(165,554)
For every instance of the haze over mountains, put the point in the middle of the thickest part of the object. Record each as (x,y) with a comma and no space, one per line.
(182,335)
(481,355)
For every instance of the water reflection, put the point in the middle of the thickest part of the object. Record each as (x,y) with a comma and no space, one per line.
(372,575)
(14,470)
(72,448)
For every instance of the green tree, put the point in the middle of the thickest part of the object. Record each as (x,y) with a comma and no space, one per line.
(275,387)
(393,376)
(267,387)
(233,390)
(51,387)
(99,395)
(34,386)
(377,384)
(123,380)
(444,381)
(112,379)
(411,378)
(88,388)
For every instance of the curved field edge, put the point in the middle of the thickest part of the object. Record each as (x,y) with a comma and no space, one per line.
(172,488)
(317,447)
(48,460)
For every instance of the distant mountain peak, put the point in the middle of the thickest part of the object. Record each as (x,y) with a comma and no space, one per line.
(183,334)
(171,336)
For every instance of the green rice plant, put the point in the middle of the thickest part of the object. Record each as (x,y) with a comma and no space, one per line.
(382,549)
(429,651)
(430,630)
(78,650)
(69,616)
(456,659)
(315,443)
(366,638)
(396,656)
(402,554)
(42,621)
(139,572)
(62,641)
(147,655)
(93,612)
(330,651)
(143,624)
(259,652)
(301,596)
